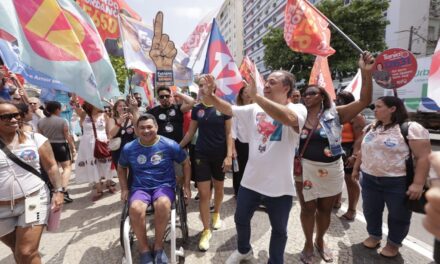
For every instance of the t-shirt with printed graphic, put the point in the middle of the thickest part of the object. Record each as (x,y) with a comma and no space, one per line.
(318,147)
(169,121)
(384,151)
(269,170)
(25,181)
(211,141)
(152,166)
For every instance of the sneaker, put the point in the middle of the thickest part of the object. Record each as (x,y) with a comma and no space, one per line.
(67,198)
(236,257)
(160,257)
(204,240)
(216,221)
(146,258)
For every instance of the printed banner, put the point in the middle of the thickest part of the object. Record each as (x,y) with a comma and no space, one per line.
(305,30)
(321,76)
(221,65)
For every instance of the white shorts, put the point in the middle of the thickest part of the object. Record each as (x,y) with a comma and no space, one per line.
(10,219)
(321,179)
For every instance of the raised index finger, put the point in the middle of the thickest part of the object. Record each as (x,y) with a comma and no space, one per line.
(158,25)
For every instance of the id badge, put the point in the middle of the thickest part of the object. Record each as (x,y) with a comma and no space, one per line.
(32,206)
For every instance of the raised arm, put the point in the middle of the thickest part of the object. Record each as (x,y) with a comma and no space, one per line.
(188,102)
(349,111)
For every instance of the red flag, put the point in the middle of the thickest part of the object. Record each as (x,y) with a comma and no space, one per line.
(246,68)
(306,30)
(321,76)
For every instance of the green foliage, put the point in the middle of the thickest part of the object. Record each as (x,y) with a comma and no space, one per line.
(118,64)
(362,20)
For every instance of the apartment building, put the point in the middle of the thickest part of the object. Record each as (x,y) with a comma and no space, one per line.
(230,21)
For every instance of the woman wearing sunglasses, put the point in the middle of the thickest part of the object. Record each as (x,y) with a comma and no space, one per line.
(24,197)
(321,152)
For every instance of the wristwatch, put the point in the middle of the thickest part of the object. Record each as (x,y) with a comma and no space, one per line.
(59,189)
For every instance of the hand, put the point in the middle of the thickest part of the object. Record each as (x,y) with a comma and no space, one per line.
(210,84)
(350,162)
(122,118)
(415,191)
(227,164)
(162,50)
(132,101)
(187,193)
(355,175)
(124,195)
(432,208)
(366,61)
(57,201)
(252,87)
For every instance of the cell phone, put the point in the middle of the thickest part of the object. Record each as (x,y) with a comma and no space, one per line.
(125,109)
(32,206)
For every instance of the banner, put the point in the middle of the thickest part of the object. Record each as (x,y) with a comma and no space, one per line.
(221,65)
(321,76)
(305,30)
(137,39)
(193,46)
(47,45)
(141,83)
(246,68)
(104,14)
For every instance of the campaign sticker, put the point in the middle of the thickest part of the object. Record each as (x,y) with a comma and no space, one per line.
(172,112)
(156,158)
(391,142)
(162,116)
(141,159)
(201,113)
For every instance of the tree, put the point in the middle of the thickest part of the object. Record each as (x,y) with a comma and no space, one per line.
(362,20)
(118,64)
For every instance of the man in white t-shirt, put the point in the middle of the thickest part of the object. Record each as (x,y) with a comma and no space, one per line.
(271,127)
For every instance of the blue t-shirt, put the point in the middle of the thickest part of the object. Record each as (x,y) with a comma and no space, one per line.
(152,166)
(211,141)
(5,93)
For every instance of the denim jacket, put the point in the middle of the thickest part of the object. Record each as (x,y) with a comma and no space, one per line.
(333,129)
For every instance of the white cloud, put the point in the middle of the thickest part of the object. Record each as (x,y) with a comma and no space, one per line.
(189,12)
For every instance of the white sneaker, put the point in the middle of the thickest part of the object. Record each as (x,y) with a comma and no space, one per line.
(236,257)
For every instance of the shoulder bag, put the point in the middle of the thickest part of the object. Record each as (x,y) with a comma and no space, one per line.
(101,150)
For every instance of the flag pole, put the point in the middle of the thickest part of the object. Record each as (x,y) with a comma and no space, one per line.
(336,28)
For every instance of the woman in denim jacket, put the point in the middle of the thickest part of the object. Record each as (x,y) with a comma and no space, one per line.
(323,170)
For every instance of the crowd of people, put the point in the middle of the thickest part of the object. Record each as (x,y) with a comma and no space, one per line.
(308,142)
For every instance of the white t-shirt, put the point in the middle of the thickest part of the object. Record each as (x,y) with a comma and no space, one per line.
(28,152)
(269,169)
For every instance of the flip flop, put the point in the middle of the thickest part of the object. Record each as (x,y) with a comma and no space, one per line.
(325,253)
(306,258)
(373,246)
(347,217)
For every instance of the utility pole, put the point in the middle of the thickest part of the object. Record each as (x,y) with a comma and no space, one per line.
(411,31)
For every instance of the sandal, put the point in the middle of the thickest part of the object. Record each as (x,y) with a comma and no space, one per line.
(306,258)
(97,196)
(350,215)
(389,251)
(325,253)
(371,243)
(111,189)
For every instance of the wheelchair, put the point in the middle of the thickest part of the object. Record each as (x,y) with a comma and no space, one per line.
(178,219)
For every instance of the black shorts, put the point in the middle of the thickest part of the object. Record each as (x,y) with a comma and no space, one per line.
(61,151)
(348,149)
(208,168)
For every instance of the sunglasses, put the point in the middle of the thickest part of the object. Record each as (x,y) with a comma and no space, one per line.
(311,93)
(164,96)
(8,117)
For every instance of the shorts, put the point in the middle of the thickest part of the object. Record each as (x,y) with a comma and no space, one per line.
(61,151)
(208,168)
(10,219)
(348,149)
(149,196)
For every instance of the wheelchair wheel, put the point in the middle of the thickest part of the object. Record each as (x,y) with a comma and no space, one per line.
(124,216)
(181,212)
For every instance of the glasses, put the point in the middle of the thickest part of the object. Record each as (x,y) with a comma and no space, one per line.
(8,117)
(311,93)
(164,96)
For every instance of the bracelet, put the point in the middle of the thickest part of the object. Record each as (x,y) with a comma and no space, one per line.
(59,190)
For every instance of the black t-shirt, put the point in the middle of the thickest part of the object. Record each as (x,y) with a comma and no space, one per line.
(318,148)
(169,120)
(211,141)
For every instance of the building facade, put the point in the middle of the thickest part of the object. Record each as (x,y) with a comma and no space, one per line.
(230,21)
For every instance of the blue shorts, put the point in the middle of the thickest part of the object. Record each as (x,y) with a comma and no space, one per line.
(149,196)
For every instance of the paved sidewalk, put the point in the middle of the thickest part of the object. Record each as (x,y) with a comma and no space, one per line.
(90,234)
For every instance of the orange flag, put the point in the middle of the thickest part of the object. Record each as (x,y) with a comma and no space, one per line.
(306,30)
(321,76)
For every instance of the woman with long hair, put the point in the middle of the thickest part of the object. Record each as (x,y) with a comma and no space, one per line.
(88,168)
(213,156)
(56,129)
(381,163)
(322,167)
(20,228)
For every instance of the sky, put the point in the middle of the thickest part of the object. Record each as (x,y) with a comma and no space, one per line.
(180,16)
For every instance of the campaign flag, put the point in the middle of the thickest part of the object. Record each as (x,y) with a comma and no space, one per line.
(434,76)
(306,30)
(104,14)
(193,46)
(51,47)
(246,68)
(354,87)
(221,65)
(321,76)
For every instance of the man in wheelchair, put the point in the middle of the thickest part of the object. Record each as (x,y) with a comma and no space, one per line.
(150,159)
